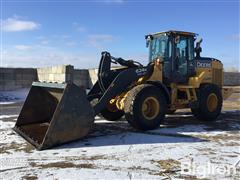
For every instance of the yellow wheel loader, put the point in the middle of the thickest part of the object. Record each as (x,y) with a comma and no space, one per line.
(176,77)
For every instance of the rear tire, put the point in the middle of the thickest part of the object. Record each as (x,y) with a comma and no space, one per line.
(210,103)
(145,107)
(112,116)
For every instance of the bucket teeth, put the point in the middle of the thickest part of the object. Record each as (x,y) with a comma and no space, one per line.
(54,114)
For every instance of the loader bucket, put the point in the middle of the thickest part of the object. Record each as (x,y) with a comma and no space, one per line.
(54,114)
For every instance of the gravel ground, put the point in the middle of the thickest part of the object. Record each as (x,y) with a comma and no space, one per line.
(182,148)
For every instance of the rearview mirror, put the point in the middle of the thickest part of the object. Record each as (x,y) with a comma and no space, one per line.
(148,41)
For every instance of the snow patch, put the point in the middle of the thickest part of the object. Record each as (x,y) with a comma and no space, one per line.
(8,116)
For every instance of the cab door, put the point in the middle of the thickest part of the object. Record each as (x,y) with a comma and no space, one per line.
(180,61)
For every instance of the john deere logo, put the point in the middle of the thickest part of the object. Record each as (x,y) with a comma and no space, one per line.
(141,72)
(204,64)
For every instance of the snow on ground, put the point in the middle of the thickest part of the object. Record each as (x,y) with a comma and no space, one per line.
(182,148)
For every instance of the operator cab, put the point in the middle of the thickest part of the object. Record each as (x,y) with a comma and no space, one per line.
(176,51)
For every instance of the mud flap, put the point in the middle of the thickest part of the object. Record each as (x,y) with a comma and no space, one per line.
(54,114)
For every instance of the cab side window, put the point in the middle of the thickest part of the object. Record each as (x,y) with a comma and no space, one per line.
(181,55)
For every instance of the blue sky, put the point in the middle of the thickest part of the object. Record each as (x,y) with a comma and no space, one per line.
(44,33)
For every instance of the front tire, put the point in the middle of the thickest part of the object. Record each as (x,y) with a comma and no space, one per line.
(172,111)
(210,103)
(145,107)
(112,115)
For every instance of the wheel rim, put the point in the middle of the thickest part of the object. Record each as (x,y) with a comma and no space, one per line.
(212,102)
(150,108)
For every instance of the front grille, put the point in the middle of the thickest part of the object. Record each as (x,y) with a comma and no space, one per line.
(217,76)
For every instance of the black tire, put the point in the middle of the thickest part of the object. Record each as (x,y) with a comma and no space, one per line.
(171,111)
(206,111)
(106,114)
(112,116)
(133,107)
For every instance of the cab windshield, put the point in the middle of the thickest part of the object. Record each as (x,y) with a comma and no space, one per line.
(159,47)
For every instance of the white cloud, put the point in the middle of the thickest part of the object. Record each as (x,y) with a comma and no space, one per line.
(42,56)
(60,36)
(75,23)
(44,42)
(99,40)
(78,27)
(113,1)
(16,24)
(235,36)
(41,37)
(22,47)
(81,29)
(71,43)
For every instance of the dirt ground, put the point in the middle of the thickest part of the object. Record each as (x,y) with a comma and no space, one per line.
(182,148)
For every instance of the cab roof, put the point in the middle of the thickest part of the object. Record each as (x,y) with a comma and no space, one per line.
(174,32)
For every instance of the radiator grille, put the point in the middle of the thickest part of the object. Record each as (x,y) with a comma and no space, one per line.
(217,76)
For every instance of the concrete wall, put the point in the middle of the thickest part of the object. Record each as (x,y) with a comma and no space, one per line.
(81,78)
(231,78)
(61,73)
(15,78)
(92,77)
(85,78)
